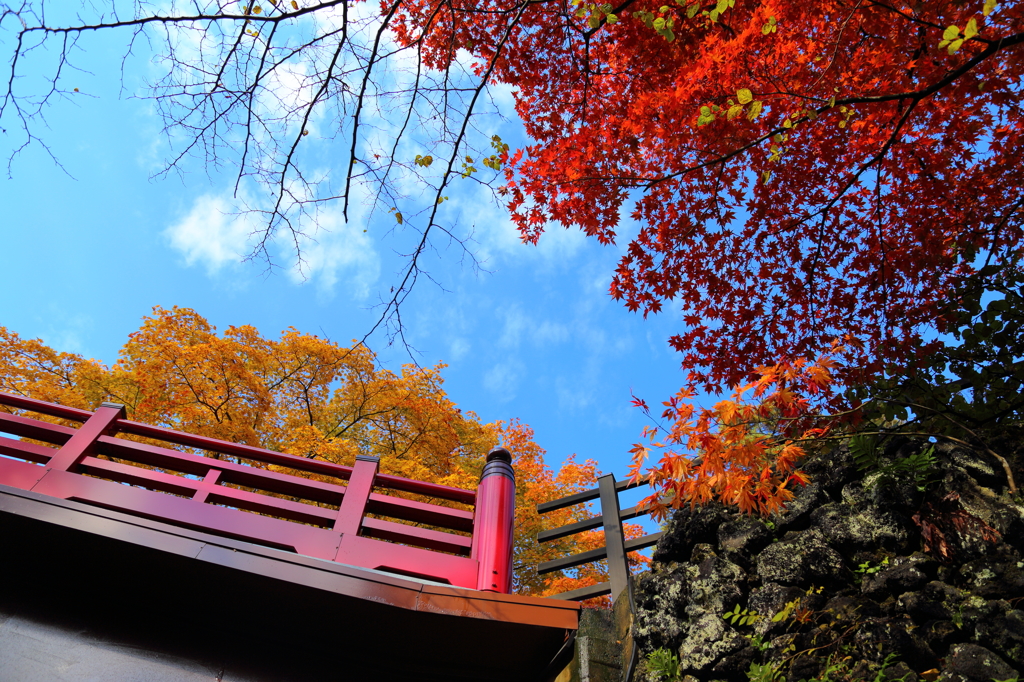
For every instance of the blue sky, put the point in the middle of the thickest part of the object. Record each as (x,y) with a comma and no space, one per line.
(90,248)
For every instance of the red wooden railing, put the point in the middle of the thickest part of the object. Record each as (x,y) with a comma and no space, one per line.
(91,464)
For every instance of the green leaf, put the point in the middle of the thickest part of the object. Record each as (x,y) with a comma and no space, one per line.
(611,19)
(691,11)
(955,46)
(714,15)
(744,96)
(593,21)
(755,110)
(659,24)
(722,6)
(989,6)
(971,29)
(951,33)
(734,111)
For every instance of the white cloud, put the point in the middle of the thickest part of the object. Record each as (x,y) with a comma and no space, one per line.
(518,326)
(67,331)
(504,379)
(550,333)
(212,234)
(574,397)
(458,348)
(217,234)
(498,236)
(339,248)
(515,325)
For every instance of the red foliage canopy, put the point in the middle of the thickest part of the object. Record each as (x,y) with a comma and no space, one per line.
(798,171)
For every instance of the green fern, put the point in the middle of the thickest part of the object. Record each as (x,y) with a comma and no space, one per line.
(664,664)
(765,673)
(920,465)
(738,616)
(864,451)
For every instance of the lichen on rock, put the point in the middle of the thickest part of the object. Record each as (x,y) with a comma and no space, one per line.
(865,577)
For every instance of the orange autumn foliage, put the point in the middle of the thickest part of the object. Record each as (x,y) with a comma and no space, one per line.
(309,397)
(538,483)
(745,450)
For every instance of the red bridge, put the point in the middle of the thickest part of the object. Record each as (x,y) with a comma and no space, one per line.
(240,566)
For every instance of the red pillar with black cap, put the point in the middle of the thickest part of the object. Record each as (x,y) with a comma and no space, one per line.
(493,522)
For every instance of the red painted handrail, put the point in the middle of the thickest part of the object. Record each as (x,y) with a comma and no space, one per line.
(91,464)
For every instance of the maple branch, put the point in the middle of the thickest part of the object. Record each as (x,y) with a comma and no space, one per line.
(1002,461)
(918,21)
(199,97)
(413,271)
(648,183)
(360,99)
(839,36)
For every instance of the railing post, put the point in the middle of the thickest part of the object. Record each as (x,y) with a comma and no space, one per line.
(206,486)
(493,521)
(83,443)
(614,540)
(353,504)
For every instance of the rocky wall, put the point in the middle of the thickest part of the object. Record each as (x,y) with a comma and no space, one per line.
(877,576)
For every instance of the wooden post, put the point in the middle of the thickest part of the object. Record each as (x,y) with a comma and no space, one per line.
(83,443)
(208,484)
(357,494)
(614,541)
(493,521)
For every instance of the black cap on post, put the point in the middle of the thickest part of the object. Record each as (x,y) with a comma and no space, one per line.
(499,461)
(499,453)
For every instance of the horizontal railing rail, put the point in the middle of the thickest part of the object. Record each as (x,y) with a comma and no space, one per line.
(235,449)
(616,547)
(241,499)
(588,495)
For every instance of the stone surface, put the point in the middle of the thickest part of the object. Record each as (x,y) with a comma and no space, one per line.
(839,586)
(604,644)
(803,559)
(973,663)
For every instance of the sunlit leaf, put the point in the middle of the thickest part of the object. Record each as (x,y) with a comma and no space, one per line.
(971,29)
